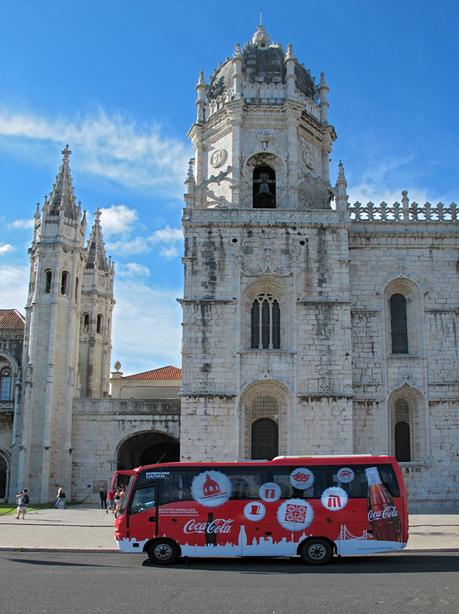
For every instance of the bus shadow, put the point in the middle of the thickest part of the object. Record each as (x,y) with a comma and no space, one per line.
(402,563)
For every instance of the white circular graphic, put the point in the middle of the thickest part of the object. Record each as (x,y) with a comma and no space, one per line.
(254,510)
(302,478)
(211,488)
(269,491)
(345,475)
(334,499)
(295,514)
(218,157)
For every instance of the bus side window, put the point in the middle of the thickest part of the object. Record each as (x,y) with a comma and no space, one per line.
(246,483)
(176,487)
(281,477)
(143,499)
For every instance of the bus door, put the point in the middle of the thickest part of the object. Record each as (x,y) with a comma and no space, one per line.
(143,516)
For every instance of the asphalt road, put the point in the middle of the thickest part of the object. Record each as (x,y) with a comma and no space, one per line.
(70,583)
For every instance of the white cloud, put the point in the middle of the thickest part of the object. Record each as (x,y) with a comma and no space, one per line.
(147,332)
(169,253)
(167,235)
(13,286)
(117,219)
(128,246)
(114,147)
(5,248)
(21,224)
(132,270)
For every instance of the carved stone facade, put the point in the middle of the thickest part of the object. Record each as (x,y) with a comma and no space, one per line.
(351,286)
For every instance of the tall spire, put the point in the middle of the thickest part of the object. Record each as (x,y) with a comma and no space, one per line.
(96,247)
(62,196)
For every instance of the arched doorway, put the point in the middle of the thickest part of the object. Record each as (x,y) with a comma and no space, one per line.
(4,471)
(147,448)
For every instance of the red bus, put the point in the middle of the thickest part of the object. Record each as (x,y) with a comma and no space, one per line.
(314,507)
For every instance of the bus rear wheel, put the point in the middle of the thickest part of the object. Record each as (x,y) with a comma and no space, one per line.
(316,551)
(163,552)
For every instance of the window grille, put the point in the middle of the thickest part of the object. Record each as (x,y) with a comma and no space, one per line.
(5,384)
(398,320)
(265,439)
(265,323)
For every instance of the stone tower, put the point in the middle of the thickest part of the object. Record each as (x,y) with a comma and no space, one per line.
(266,316)
(50,359)
(96,314)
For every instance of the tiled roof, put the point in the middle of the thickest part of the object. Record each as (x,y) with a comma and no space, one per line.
(163,373)
(11,319)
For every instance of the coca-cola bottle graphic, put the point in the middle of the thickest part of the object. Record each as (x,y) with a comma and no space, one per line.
(382,512)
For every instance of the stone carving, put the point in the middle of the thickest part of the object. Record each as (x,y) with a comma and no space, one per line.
(218,157)
(404,212)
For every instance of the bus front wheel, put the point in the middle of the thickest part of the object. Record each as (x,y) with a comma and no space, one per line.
(316,551)
(163,552)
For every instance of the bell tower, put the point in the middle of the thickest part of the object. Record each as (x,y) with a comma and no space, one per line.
(50,360)
(266,322)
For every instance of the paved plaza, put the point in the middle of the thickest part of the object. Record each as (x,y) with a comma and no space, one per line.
(84,529)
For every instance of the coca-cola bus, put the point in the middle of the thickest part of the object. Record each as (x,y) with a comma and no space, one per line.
(313,506)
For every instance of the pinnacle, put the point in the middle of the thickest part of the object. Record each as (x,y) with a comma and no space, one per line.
(96,247)
(62,196)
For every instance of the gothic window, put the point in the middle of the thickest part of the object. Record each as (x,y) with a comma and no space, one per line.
(86,322)
(76,289)
(265,323)
(99,323)
(5,384)
(64,282)
(265,439)
(402,436)
(48,281)
(264,188)
(398,321)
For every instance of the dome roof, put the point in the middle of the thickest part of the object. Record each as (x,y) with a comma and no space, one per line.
(262,62)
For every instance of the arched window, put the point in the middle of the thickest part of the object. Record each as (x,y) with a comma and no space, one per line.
(265,439)
(76,288)
(264,188)
(398,322)
(5,384)
(99,323)
(402,436)
(48,281)
(265,323)
(64,282)
(86,322)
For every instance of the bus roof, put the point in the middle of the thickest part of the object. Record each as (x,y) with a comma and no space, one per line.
(333,459)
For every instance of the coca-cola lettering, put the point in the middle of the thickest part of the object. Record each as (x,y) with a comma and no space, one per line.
(389,511)
(219,525)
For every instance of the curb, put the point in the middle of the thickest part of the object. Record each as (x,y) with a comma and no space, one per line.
(116,551)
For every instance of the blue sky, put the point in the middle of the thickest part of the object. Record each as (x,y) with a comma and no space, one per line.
(116,81)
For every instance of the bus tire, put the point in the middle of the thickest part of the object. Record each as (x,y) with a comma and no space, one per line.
(316,551)
(163,552)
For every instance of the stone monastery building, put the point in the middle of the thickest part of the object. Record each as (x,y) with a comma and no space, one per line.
(310,325)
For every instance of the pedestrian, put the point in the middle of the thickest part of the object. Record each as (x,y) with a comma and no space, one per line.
(103,498)
(111,501)
(117,500)
(60,501)
(23,500)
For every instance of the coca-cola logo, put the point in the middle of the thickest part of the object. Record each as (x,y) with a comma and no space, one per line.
(390,511)
(219,525)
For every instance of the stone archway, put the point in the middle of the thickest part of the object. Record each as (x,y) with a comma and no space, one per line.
(147,448)
(4,476)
